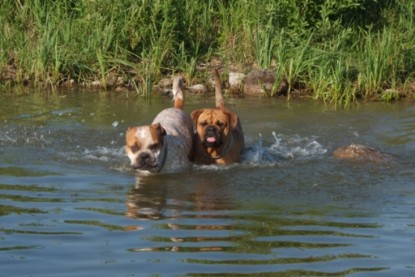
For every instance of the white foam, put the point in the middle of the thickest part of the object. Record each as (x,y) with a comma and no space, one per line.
(284,147)
(100,153)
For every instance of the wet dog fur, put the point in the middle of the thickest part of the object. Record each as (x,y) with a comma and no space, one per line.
(218,137)
(165,145)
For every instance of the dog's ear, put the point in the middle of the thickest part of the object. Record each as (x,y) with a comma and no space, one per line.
(159,129)
(195,114)
(233,119)
(163,131)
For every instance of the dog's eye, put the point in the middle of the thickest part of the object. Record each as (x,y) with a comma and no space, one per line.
(135,148)
(154,146)
(203,123)
(220,123)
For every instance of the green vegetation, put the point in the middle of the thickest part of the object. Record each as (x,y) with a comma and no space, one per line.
(337,51)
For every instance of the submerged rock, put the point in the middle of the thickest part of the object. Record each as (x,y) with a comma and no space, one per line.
(360,152)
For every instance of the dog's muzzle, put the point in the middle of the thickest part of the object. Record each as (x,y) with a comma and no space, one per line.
(144,161)
(212,137)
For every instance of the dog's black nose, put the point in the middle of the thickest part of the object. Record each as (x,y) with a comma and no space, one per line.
(211,129)
(143,158)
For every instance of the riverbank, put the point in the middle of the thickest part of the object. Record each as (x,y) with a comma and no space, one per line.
(335,52)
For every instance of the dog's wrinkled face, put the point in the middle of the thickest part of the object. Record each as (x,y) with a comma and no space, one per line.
(213,126)
(144,147)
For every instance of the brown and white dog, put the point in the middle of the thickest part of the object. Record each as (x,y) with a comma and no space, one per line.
(166,144)
(219,138)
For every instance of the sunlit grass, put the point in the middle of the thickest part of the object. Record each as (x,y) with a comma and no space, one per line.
(338,51)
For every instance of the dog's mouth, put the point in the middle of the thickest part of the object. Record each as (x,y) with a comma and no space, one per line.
(145,161)
(211,142)
(212,138)
(143,166)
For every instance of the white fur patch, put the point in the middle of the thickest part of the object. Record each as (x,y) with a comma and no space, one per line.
(142,133)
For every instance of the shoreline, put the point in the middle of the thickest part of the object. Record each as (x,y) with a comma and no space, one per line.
(250,81)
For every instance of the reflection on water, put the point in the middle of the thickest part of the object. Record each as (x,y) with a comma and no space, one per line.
(70,205)
(206,218)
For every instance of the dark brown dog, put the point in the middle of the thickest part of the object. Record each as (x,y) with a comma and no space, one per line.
(219,138)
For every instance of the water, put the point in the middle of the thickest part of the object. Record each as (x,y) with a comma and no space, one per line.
(71,206)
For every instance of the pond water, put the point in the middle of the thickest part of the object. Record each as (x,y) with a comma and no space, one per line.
(71,206)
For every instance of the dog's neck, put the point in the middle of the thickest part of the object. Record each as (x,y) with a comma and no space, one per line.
(163,156)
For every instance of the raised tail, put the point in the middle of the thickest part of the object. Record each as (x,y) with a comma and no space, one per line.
(218,90)
(178,87)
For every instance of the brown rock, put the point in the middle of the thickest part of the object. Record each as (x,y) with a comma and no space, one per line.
(259,82)
(361,153)
(165,82)
(198,88)
(111,79)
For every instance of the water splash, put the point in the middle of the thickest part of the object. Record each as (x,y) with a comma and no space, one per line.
(283,148)
(100,153)
(25,135)
(296,146)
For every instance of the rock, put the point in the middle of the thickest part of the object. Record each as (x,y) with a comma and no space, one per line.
(198,88)
(68,83)
(96,83)
(259,82)
(165,82)
(164,86)
(166,92)
(236,81)
(111,78)
(121,89)
(361,153)
(283,88)
(119,81)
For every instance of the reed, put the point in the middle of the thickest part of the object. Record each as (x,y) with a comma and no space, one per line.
(338,51)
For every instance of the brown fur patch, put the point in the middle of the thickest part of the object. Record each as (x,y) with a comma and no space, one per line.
(130,138)
(157,132)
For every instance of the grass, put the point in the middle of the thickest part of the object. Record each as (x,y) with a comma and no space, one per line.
(336,51)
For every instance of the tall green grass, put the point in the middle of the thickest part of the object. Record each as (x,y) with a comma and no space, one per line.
(336,51)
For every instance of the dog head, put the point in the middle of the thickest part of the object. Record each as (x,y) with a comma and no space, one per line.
(214,127)
(145,147)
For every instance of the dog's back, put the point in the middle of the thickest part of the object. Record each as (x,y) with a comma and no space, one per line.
(179,131)
(178,139)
